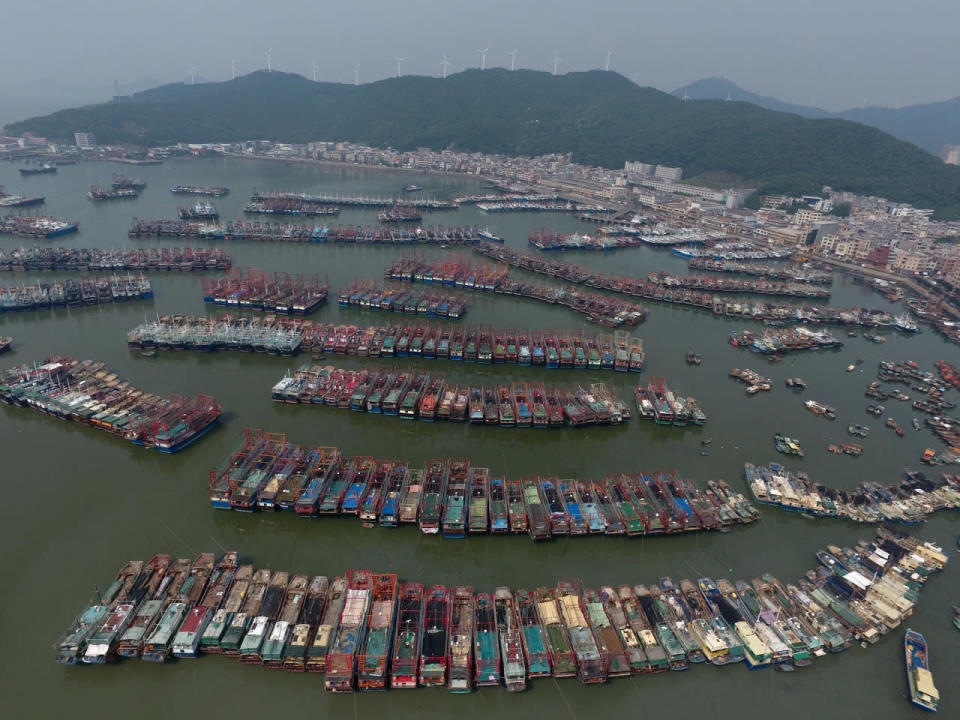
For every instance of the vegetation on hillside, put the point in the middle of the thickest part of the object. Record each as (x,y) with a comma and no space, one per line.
(601,117)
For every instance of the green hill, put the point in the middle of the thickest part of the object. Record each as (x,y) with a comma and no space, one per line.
(601,117)
(931,125)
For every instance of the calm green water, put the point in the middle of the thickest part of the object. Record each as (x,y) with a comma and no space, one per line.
(78,503)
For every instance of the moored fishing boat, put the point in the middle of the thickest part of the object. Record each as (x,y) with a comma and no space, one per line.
(923,693)
(341,666)
(562,661)
(406,644)
(511,641)
(327,629)
(535,645)
(434,651)
(460,677)
(372,670)
(301,635)
(486,642)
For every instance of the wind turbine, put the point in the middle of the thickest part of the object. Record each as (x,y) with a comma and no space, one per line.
(399,60)
(356,74)
(513,59)
(635,80)
(556,62)
(269,59)
(728,97)
(685,95)
(483,58)
(192,73)
(314,69)
(609,55)
(444,64)
(233,68)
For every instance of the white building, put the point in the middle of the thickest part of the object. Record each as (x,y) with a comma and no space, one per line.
(671,174)
(84,140)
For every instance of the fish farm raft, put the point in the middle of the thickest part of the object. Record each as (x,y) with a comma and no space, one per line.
(370,631)
(88,393)
(909,501)
(449,497)
(428,397)
(254,289)
(553,349)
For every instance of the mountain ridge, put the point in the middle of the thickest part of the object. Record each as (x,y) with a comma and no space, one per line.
(927,125)
(600,117)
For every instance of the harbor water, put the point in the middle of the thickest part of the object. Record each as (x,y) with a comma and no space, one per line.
(79,503)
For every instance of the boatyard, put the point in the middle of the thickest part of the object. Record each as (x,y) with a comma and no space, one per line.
(595,477)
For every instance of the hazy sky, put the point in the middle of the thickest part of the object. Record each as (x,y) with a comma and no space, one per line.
(836,53)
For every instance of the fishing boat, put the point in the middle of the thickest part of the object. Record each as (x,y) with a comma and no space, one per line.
(608,639)
(536,514)
(102,643)
(562,660)
(591,664)
(460,679)
(497,503)
(372,663)
(407,641)
(157,645)
(73,643)
(486,644)
(479,486)
(434,650)
(273,651)
(327,629)
(301,634)
(251,647)
(389,510)
(787,445)
(923,693)
(511,641)
(411,495)
(533,635)
(434,489)
(455,508)
(235,634)
(341,670)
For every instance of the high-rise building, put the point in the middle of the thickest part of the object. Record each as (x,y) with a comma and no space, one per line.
(84,140)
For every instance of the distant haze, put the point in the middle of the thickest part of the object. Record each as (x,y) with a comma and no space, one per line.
(834,55)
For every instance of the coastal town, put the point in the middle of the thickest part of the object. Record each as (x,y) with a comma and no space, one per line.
(616,309)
